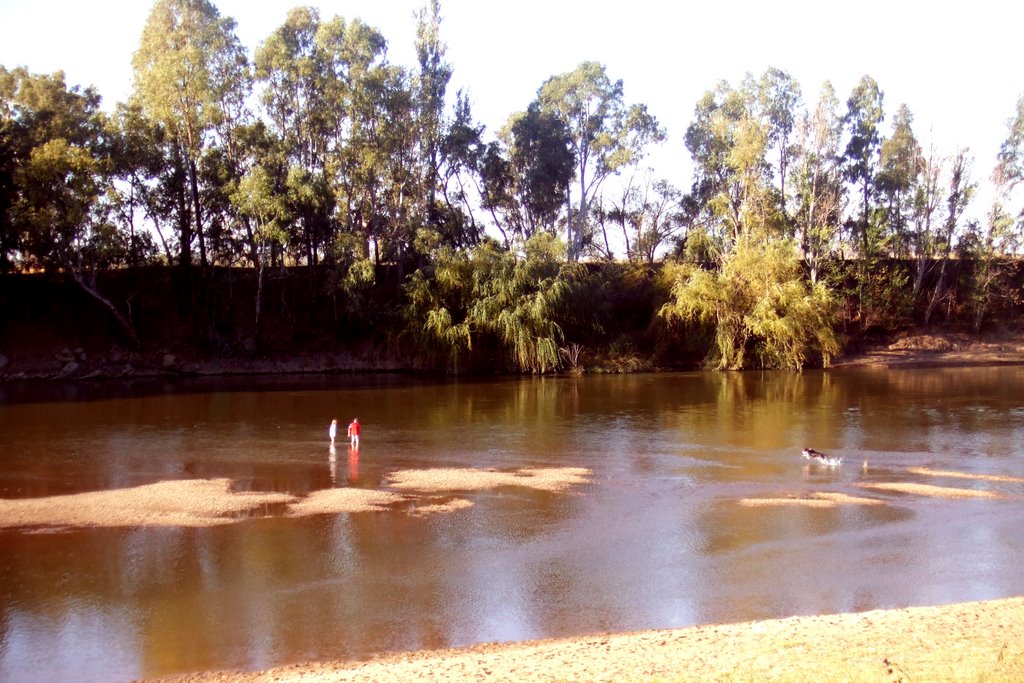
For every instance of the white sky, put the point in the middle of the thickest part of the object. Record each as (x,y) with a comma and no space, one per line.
(956,65)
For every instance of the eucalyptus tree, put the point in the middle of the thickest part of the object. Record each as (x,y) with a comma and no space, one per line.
(1000,237)
(137,163)
(431,85)
(387,199)
(450,147)
(649,212)
(1009,175)
(606,136)
(728,142)
(56,166)
(526,174)
(8,235)
(458,177)
(901,164)
(256,199)
(227,161)
(919,239)
(183,68)
(780,98)
(309,71)
(663,217)
(958,197)
(59,165)
(818,180)
(863,117)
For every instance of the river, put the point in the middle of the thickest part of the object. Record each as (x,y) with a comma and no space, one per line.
(659,537)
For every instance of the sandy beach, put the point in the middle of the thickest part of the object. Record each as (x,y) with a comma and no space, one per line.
(974,641)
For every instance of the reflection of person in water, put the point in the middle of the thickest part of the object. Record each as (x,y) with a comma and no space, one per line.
(353,465)
(333,463)
(353,433)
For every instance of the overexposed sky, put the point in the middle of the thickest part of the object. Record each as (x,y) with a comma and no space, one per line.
(957,65)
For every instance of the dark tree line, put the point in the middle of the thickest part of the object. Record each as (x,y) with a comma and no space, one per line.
(320,153)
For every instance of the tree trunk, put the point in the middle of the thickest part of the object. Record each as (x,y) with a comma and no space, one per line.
(568,223)
(937,294)
(91,290)
(184,226)
(194,184)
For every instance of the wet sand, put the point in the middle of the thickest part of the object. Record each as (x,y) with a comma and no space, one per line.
(931,490)
(209,502)
(928,472)
(186,503)
(819,499)
(962,642)
(470,479)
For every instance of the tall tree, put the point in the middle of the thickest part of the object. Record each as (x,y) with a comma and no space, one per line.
(920,237)
(900,164)
(449,145)
(1009,174)
(180,79)
(526,175)
(988,245)
(431,86)
(606,134)
(61,169)
(958,197)
(863,117)
(137,162)
(257,201)
(818,180)
(728,141)
(780,98)
(648,211)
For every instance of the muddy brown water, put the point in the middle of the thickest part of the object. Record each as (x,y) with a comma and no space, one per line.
(657,538)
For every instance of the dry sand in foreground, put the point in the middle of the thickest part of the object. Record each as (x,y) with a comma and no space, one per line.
(963,642)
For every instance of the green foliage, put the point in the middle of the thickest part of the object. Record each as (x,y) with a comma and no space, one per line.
(863,117)
(56,174)
(489,296)
(758,300)
(527,175)
(521,300)
(605,133)
(729,140)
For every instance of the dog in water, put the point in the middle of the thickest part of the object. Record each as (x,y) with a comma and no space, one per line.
(818,456)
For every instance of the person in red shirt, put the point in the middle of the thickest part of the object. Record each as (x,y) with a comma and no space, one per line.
(353,433)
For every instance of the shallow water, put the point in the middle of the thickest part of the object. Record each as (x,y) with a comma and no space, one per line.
(657,539)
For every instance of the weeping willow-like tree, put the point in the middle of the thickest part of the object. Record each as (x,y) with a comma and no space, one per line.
(521,300)
(437,303)
(515,302)
(758,302)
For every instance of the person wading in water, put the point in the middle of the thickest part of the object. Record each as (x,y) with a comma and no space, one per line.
(353,433)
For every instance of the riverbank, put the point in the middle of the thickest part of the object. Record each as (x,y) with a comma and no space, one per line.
(924,348)
(45,361)
(974,641)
